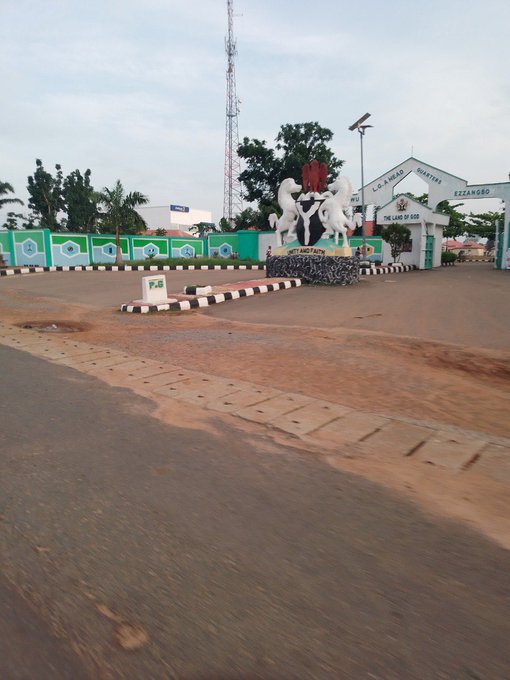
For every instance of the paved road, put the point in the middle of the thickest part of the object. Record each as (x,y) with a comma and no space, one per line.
(223,556)
(106,290)
(466,305)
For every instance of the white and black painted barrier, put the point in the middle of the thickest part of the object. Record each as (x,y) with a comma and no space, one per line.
(315,268)
(388,269)
(207,300)
(11,271)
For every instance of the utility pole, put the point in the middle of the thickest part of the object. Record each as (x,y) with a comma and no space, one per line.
(232,198)
(360,127)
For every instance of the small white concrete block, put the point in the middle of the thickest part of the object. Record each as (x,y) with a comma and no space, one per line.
(154,289)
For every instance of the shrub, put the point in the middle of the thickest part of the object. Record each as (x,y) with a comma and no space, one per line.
(447,257)
(398,236)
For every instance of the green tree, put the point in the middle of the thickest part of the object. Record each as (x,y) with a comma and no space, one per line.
(201,229)
(81,202)
(46,198)
(119,213)
(12,221)
(118,209)
(266,167)
(398,236)
(483,225)
(247,218)
(6,188)
(458,223)
(225,225)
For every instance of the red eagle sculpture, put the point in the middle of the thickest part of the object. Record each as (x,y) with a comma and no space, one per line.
(314,176)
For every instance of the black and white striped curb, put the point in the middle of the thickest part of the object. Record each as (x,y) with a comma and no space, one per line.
(389,269)
(478,259)
(205,301)
(154,268)
(125,268)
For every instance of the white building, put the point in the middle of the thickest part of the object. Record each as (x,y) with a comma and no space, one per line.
(173,216)
(426,227)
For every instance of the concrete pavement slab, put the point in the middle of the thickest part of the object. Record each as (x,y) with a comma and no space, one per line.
(349,429)
(100,366)
(310,417)
(395,439)
(75,350)
(271,409)
(168,377)
(196,388)
(151,369)
(119,369)
(245,397)
(97,358)
(494,461)
(449,450)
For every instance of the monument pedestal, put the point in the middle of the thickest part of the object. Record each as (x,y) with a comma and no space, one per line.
(324,247)
(332,270)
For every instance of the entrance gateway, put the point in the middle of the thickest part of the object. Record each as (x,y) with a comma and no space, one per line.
(441,186)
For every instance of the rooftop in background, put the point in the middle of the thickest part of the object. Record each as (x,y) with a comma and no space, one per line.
(171,232)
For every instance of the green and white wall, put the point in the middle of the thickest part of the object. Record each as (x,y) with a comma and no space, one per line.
(41,247)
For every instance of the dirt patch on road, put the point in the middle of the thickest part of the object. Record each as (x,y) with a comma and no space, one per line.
(55,326)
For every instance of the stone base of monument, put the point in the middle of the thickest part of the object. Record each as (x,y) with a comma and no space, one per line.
(323,246)
(325,269)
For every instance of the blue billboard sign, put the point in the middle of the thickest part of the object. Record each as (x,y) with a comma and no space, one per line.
(179,208)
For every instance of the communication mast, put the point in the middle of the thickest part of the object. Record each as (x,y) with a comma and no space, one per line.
(232,199)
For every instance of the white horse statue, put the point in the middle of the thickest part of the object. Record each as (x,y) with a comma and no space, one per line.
(287,222)
(333,212)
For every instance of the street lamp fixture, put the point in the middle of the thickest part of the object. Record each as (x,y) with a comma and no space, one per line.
(358,125)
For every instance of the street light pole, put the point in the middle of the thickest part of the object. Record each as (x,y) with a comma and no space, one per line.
(361,129)
(358,125)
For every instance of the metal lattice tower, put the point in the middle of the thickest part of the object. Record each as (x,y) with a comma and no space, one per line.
(232,198)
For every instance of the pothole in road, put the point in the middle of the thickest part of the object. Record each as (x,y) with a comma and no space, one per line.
(54,326)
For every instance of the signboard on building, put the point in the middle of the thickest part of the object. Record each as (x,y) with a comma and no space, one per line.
(179,208)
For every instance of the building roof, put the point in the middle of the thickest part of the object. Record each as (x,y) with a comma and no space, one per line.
(452,243)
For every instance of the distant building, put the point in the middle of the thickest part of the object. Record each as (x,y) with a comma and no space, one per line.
(173,216)
(467,247)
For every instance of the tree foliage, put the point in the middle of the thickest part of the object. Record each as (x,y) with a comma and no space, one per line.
(81,202)
(118,210)
(458,224)
(398,236)
(248,218)
(46,198)
(225,225)
(5,189)
(266,167)
(483,225)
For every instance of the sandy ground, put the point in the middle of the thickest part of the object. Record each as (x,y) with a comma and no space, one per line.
(428,346)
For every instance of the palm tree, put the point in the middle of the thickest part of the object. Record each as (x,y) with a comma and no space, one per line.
(6,188)
(119,213)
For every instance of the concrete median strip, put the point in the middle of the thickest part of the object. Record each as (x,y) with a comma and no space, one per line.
(235,293)
(334,429)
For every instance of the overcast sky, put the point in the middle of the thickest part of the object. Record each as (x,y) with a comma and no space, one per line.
(136,90)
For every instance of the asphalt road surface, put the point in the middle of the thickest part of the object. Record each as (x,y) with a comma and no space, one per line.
(135,549)
(466,305)
(106,290)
